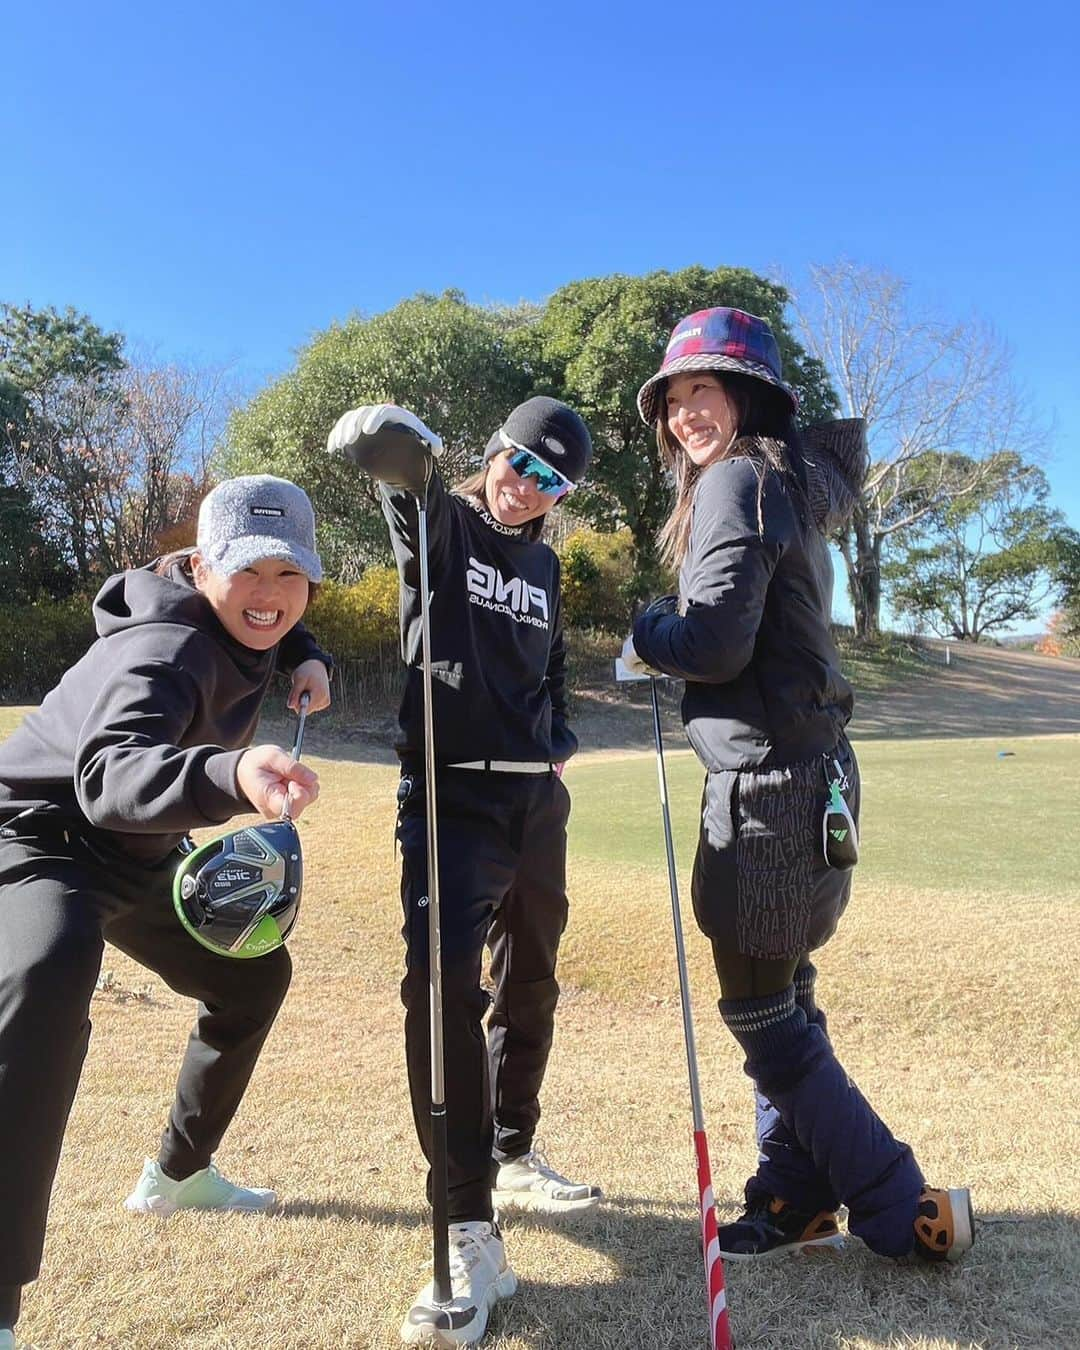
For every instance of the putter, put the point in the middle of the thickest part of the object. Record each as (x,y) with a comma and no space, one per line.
(715,1294)
(239,895)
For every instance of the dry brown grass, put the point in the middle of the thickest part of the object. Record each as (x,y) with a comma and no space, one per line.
(955,1012)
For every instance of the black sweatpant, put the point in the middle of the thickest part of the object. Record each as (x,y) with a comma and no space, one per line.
(58,901)
(502,881)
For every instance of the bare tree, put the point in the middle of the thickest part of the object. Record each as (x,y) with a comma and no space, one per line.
(939,403)
(175,414)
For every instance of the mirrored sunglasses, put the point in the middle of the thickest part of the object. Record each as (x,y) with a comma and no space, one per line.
(548,480)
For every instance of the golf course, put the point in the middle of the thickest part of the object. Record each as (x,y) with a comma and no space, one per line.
(951,991)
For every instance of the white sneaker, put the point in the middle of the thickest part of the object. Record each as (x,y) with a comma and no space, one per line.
(479,1277)
(158,1194)
(530,1182)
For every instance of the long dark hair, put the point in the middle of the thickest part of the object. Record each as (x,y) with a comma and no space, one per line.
(765,432)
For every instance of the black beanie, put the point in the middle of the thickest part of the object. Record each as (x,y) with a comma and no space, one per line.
(551,430)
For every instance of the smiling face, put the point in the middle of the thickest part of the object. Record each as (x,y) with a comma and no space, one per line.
(701,415)
(257,605)
(512,499)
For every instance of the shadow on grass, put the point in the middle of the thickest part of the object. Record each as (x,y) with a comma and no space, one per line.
(1018,1287)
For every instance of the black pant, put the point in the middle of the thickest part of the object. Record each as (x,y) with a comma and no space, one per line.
(57,903)
(502,881)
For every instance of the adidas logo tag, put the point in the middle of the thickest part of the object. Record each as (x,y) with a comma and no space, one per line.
(841,835)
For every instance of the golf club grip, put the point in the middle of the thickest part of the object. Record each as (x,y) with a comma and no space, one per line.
(440,1206)
(715,1294)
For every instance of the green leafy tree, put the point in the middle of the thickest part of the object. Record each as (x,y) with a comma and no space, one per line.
(63,399)
(1065,624)
(108,453)
(448,361)
(984,561)
(596,343)
(30,563)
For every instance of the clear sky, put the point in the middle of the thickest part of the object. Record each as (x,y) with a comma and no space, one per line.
(221,181)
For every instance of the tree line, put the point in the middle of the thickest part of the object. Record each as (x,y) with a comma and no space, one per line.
(104,456)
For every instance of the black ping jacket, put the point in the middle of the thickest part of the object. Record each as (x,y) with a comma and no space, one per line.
(751,637)
(499,663)
(140,740)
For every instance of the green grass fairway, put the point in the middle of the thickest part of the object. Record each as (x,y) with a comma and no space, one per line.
(944,815)
(950,989)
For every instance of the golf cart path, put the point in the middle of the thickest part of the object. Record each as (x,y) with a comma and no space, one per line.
(983,692)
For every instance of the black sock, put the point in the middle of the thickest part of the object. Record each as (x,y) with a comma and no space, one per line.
(172,1174)
(10,1300)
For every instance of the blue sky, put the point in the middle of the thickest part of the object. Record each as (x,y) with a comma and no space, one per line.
(221,181)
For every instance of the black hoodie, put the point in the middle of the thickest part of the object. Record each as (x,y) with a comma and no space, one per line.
(140,740)
(499,661)
(751,638)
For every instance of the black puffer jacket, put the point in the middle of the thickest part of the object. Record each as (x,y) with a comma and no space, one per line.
(751,636)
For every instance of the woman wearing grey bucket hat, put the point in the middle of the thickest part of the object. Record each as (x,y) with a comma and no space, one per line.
(765,707)
(146,737)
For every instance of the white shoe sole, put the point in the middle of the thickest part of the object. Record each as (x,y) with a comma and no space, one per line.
(963,1223)
(503,1287)
(162,1208)
(788,1249)
(150,1204)
(539,1203)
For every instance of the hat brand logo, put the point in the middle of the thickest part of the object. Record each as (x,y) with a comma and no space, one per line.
(683,335)
(556,447)
(267,511)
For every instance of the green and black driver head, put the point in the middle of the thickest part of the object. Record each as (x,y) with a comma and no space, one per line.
(239,895)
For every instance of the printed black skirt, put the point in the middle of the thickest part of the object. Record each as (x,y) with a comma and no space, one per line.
(762,886)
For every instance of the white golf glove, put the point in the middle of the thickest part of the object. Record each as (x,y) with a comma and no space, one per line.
(633,662)
(351,427)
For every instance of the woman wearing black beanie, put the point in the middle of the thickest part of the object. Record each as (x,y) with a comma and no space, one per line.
(501,739)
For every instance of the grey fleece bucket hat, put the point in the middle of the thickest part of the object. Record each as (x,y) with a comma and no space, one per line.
(256,516)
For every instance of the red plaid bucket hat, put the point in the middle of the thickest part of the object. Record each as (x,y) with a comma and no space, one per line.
(717,339)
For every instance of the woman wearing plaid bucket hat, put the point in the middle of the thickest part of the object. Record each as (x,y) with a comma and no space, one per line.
(765,708)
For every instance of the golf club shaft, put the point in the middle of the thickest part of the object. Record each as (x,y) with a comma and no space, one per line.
(715,1293)
(676,919)
(305,699)
(298,745)
(440,1204)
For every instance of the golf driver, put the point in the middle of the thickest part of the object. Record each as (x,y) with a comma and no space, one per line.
(440,1205)
(716,1297)
(394,446)
(239,895)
